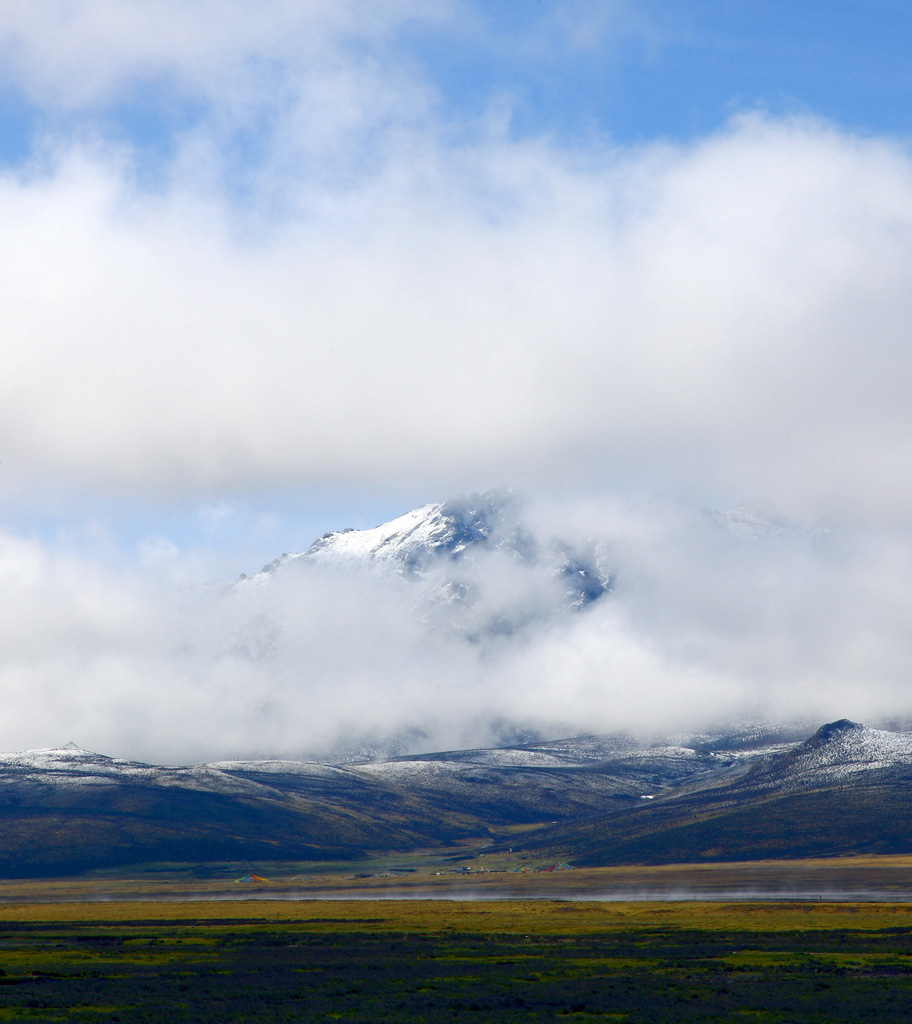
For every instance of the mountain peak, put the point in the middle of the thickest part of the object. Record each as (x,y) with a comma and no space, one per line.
(447,529)
(838,750)
(457,553)
(833,729)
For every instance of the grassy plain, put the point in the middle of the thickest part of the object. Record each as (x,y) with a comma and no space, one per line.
(433,961)
(846,878)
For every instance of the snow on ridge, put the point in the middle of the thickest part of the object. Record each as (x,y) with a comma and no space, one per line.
(758,752)
(687,753)
(856,747)
(411,540)
(390,545)
(408,541)
(277,766)
(838,750)
(69,758)
(509,757)
(422,527)
(407,770)
(73,766)
(497,757)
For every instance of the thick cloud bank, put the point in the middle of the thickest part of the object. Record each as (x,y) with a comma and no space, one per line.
(729,317)
(703,627)
(734,314)
(326,274)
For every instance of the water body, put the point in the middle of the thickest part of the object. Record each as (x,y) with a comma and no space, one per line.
(596,896)
(638,896)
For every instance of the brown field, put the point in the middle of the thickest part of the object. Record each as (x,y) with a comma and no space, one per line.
(852,878)
(527,917)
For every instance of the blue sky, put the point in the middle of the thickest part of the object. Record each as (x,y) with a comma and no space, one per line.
(585,72)
(665,70)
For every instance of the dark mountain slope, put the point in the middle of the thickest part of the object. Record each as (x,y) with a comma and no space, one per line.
(846,790)
(67,810)
(596,800)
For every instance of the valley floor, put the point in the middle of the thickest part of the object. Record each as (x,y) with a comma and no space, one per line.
(396,962)
(883,879)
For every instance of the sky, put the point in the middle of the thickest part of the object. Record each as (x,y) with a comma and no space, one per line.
(271,270)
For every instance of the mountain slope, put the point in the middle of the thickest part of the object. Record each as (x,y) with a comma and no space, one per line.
(845,790)
(66,810)
(591,800)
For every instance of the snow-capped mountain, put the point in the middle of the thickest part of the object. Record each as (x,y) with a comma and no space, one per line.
(71,767)
(454,597)
(450,530)
(453,534)
(594,799)
(453,547)
(837,753)
(844,791)
(69,809)
(480,570)
(409,544)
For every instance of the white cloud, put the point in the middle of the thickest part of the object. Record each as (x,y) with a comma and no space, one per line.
(383,300)
(702,629)
(75,52)
(730,315)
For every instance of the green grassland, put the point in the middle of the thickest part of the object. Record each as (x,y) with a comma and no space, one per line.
(395,962)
